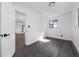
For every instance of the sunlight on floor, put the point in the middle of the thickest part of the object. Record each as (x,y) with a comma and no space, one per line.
(43,40)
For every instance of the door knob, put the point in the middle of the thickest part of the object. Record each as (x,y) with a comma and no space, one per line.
(6,35)
(2,35)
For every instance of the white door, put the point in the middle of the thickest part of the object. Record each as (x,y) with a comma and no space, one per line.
(7,26)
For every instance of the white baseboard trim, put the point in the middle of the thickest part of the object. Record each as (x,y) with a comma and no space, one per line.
(76,47)
(12,53)
(31,43)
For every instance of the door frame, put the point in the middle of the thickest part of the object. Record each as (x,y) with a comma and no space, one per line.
(18,10)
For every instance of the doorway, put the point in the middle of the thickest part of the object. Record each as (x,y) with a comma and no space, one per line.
(19,30)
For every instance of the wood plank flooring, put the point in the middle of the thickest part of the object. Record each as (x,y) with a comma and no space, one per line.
(20,40)
(53,48)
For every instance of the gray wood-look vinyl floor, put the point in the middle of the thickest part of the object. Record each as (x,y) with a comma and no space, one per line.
(53,48)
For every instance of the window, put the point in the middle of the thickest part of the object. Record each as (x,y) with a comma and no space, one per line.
(53,23)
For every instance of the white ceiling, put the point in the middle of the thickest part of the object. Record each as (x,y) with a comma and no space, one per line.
(44,9)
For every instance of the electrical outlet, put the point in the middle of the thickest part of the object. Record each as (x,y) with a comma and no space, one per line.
(61,35)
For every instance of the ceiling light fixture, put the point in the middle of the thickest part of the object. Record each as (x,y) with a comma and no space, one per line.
(51,4)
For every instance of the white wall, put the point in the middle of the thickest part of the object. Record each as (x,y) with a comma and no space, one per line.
(64,27)
(36,27)
(75,25)
(20,21)
(36,24)
(18,27)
